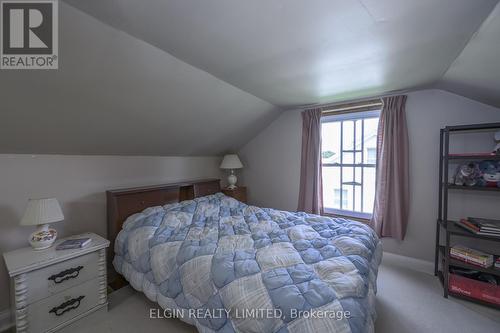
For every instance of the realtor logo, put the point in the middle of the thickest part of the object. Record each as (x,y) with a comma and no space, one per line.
(29,36)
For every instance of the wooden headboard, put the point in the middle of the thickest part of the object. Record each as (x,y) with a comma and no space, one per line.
(122,203)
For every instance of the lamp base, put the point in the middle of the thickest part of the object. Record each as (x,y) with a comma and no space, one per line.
(231,180)
(43,237)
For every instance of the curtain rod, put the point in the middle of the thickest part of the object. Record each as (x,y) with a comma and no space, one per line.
(353,106)
(357,100)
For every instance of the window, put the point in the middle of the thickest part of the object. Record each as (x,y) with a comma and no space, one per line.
(349,151)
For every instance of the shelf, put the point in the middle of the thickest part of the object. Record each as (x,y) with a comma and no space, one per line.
(474,157)
(473,188)
(470,299)
(458,263)
(473,127)
(454,229)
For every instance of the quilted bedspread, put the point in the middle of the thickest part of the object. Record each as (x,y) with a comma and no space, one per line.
(225,266)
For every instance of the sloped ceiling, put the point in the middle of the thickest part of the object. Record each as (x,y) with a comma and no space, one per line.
(115,94)
(295,52)
(476,71)
(194,77)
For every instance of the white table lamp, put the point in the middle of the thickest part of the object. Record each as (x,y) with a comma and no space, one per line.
(231,162)
(41,212)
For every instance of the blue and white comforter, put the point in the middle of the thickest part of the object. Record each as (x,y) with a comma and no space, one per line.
(250,269)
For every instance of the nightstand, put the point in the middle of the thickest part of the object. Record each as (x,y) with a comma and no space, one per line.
(51,289)
(239,193)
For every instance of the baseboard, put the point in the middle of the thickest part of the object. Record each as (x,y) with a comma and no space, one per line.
(418,265)
(5,320)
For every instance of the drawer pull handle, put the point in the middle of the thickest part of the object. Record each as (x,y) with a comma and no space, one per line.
(67,306)
(66,274)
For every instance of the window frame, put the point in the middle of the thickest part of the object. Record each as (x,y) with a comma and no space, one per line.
(365,113)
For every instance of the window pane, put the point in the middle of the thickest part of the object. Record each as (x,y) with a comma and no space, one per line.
(348,158)
(357,198)
(331,183)
(348,202)
(359,134)
(370,140)
(368,190)
(359,159)
(348,135)
(340,197)
(371,155)
(371,126)
(330,142)
(357,177)
(347,174)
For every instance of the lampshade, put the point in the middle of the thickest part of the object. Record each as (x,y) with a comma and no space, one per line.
(42,211)
(231,161)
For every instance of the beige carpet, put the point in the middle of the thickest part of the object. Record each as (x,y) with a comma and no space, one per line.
(407,301)
(412,301)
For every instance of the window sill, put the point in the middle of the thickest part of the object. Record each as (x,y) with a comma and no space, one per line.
(360,217)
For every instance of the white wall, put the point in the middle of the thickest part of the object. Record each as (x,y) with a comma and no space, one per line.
(79,182)
(272,165)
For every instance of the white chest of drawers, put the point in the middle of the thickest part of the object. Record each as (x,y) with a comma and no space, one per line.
(51,289)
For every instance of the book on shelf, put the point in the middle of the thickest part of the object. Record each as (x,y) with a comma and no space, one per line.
(467,226)
(492,230)
(470,225)
(489,233)
(471,256)
(471,261)
(477,228)
(485,224)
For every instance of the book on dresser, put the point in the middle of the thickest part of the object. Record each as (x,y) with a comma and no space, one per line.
(76,243)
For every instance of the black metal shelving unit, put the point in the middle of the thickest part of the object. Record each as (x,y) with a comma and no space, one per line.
(449,227)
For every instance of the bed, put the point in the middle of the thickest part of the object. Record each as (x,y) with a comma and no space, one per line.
(225,266)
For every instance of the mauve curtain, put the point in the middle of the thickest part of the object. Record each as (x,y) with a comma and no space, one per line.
(390,215)
(311,191)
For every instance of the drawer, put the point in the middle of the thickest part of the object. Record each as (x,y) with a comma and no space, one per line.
(53,279)
(60,308)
